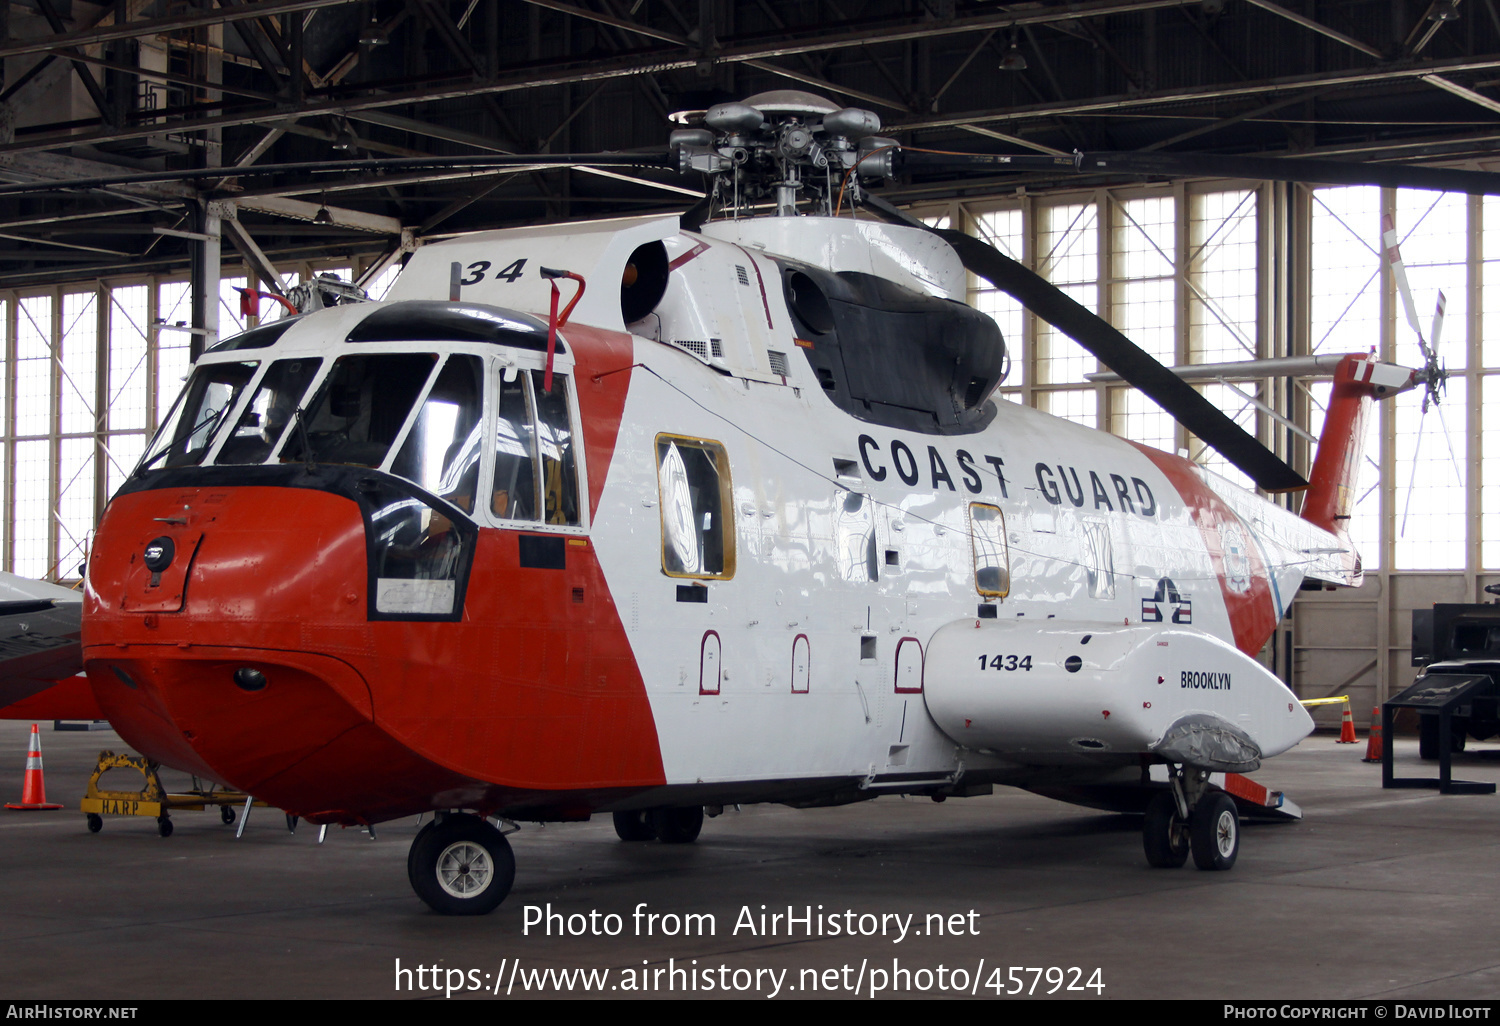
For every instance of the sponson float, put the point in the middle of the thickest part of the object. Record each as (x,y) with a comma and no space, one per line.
(745,524)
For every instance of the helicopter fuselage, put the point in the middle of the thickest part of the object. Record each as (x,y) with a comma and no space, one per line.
(394,557)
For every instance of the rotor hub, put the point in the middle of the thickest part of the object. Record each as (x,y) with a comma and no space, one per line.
(800,152)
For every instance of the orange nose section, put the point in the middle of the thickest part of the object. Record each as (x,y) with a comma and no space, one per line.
(236,715)
(232,664)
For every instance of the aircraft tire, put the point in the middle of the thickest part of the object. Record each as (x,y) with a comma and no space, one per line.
(461,866)
(1164,834)
(678,826)
(635,826)
(1214,830)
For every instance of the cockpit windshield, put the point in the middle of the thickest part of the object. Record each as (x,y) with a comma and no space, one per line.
(269,411)
(360,409)
(420,416)
(442,449)
(188,431)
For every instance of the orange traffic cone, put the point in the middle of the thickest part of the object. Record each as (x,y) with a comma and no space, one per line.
(1346,732)
(33,789)
(1375,751)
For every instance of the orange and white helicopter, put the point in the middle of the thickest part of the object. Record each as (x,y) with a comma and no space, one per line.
(743,523)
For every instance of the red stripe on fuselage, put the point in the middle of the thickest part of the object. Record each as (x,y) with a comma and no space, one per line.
(1252,613)
(601,379)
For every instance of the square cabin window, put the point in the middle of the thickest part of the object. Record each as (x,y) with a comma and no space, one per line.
(697,535)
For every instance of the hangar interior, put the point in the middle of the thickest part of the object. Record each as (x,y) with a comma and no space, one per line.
(157,155)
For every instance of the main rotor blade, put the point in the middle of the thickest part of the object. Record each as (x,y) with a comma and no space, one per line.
(495,161)
(1139,368)
(1211,165)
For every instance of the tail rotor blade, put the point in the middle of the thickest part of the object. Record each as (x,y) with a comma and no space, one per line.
(1398,270)
(1411,484)
(1458,474)
(1437,320)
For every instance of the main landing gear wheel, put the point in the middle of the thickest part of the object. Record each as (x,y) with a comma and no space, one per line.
(1214,829)
(635,826)
(1165,835)
(461,866)
(678,826)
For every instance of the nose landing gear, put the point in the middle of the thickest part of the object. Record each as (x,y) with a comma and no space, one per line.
(1190,818)
(460,865)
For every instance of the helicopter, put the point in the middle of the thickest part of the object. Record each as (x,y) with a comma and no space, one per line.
(655,515)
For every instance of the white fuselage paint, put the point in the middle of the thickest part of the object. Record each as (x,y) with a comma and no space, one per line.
(813,660)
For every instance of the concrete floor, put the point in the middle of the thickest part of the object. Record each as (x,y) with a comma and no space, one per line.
(1375,895)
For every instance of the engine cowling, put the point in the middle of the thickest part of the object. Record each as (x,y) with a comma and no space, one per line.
(1044,694)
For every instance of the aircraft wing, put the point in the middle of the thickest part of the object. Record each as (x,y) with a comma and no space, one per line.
(40,626)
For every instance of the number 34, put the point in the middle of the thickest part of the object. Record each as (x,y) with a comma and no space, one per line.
(476,271)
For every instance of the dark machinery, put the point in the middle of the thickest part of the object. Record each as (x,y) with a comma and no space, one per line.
(1457,695)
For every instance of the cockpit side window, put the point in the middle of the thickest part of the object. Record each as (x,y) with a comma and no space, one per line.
(442,449)
(269,411)
(534,451)
(360,409)
(514,493)
(555,441)
(211,394)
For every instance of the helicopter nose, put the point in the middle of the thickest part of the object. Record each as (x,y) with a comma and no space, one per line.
(191,708)
(237,675)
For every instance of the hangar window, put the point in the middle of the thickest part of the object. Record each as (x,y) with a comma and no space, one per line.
(697,538)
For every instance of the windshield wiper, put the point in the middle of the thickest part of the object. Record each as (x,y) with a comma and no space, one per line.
(212,418)
(305,439)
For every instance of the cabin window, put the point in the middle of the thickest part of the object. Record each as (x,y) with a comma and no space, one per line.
(535,454)
(210,394)
(854,534)
(696,536)
(360,409)
(269,411)
(441,451)
(991,555)
(1099,558)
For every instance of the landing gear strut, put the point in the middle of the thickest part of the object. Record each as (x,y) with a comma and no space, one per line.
(1190,818)
(460,865)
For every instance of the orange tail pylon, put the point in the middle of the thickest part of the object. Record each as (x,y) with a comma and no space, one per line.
(1346,732)
(33,789)
(1375,751)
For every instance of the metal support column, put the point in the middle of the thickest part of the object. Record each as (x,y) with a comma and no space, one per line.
(205,281)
